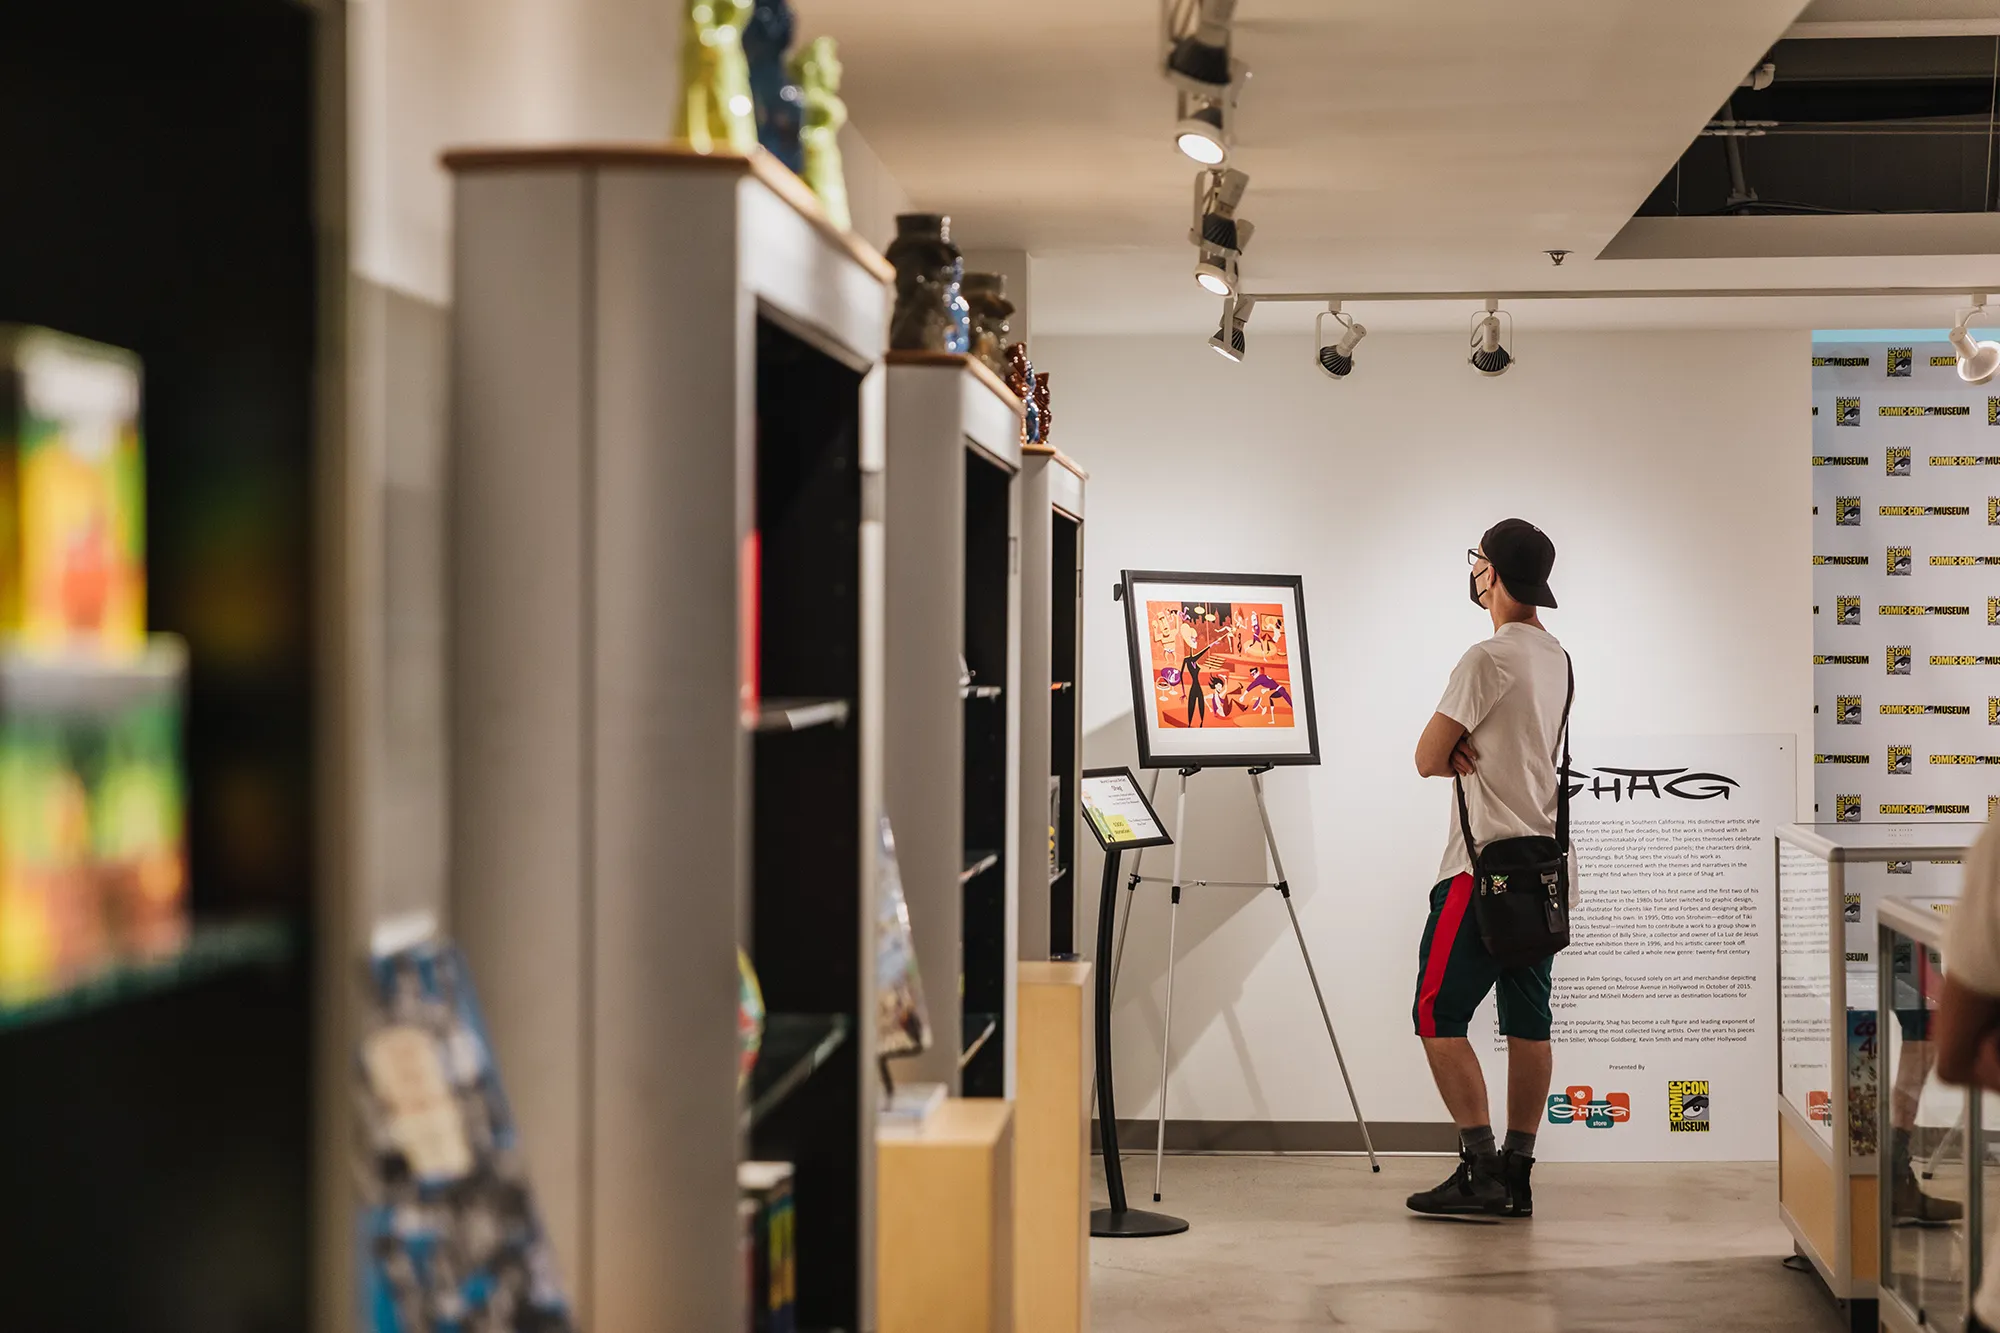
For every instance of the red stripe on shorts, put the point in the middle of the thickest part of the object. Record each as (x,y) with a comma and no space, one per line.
(1456,900)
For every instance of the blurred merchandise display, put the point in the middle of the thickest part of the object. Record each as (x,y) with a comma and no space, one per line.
(452,1238)
(780,103)
(716,110)
(93,842)
(816,69)
(72,495)
(769,1248)
(749,1019)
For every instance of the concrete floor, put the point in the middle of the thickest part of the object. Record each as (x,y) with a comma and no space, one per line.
(1288,1244)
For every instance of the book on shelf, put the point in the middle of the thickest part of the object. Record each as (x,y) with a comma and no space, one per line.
(770,1222)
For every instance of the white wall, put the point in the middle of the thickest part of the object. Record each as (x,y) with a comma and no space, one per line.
(1670,469)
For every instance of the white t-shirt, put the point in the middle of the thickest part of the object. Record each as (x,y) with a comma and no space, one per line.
(1972,957)
(1508,693)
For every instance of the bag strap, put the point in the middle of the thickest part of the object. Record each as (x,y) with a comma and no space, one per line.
(1562,780)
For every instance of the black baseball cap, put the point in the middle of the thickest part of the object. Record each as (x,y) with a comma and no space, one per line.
(1522,555)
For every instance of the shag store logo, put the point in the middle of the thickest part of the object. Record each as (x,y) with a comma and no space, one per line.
(1840,659)
(1924,511)
(1924,611)
(1847,710)
(1847,411)
(1965,760)
(1847,809)
(1840,759)
(1851,362)
(1847,511)
(1840,560)
(1964,561)
(1900,361)
(1921,809)
(1896,462)
(1965,460)
(1899,761)
(1581,1105)
(1898,658)
(1899,561)
(1847,610)
(1839,460)
(1964,659)
(1687,1106)
(1927,710)
(1946,410)
(1819,1107)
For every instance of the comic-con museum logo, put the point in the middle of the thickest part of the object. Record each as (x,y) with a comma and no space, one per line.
(1840,759)
(1847,710)
(1925,511)
(1580,1105)
(1899,761)
(1898,657)
(1899,561)
(1847,511)
(1943,362)
(1840,659)
(1993,610)
(1896,462)
(1965,460)
(1849,362)
(1847,412)
(1965,760)
(1965,659)
(1963,561)
(1622,784)
(1687,1105)
(1927,710)
(1847,610)
(1860,560)
(1993,511)
(1839,460)
(1924,611)
(1942,410)
(1847,809)
(1901,359)
(1992,711)
(1920,809)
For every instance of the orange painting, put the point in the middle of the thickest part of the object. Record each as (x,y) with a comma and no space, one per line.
(1221,664)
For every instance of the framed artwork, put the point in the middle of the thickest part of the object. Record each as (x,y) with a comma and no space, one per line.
(1221,675)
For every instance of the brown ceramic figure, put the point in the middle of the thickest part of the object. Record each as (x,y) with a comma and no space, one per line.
(1021,379)
(1042,404)
(986,294)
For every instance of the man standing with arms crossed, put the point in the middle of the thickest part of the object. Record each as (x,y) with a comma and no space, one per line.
(1498,730)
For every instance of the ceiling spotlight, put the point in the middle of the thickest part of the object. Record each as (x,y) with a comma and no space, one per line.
(1228,338)
(1197,37)
(1489,356)
(1978,362)
(1203,132)
(1337,359)
(1217,234)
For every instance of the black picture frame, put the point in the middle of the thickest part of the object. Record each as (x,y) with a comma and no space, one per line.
(1121,771)
(1131,585)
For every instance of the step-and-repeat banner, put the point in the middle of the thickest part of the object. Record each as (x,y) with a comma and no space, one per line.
(1906,581)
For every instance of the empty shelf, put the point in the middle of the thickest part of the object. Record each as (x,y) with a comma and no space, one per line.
(795,1047)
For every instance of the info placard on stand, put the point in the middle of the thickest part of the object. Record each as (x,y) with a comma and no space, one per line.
(1121,818)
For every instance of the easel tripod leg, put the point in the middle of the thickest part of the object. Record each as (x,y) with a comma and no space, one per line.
(1312,974)
(1167,1025)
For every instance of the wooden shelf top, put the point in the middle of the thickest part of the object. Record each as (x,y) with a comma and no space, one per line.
(1055,974)
(978,369)
(675,157)
(960,1122)
(1050,451)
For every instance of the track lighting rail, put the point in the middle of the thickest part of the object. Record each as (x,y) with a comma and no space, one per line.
(1617,294)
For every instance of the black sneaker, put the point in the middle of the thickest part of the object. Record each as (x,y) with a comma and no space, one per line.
(1474,1190)
(1515,1167)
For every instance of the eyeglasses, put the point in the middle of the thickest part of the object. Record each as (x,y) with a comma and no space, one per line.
(1472,556)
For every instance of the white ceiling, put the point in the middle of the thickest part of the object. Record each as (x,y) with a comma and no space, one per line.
(1391,146)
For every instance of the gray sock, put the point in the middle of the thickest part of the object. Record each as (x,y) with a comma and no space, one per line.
(1517,1142)
(1477,1141)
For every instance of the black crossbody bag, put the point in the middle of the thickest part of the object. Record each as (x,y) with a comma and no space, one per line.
(1520,886)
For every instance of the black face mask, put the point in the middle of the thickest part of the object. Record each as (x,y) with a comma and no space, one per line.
(1472,581)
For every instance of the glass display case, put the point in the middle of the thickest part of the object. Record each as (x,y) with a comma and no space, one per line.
(1929,1201)
(1832,879)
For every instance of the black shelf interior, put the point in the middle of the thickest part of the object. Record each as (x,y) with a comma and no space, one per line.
(987,556)
(806,919)
(213,950)
(1065,618)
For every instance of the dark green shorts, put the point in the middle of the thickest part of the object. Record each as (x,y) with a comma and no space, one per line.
(1454,973)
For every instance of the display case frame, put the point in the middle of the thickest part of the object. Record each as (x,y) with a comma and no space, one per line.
(1921,925)
(1828,1181)
(1052,532)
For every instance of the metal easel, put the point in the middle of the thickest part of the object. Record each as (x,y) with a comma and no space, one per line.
(1135,879)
